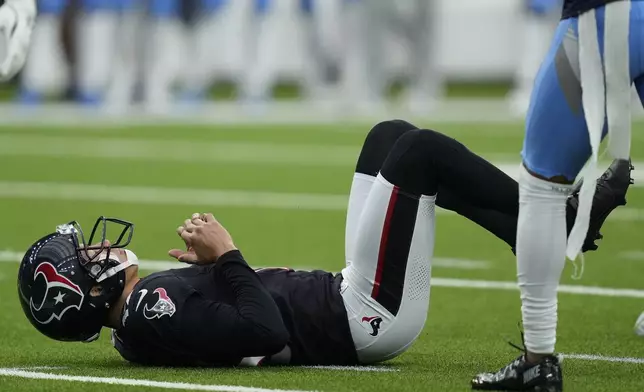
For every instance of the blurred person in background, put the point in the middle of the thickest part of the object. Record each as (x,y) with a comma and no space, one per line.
(96,43)
(215,39)
(322,27)
(83,64)
(46,71)
(539,19)
(277,29)
(366,77)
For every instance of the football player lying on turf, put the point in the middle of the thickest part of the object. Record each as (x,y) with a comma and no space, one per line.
(223,313)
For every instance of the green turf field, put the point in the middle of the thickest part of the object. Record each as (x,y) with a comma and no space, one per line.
(281,192)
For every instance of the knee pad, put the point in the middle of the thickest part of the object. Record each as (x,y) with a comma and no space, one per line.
(165,8)
(378,143)
(51,7)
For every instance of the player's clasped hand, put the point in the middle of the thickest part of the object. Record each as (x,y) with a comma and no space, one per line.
(205,238)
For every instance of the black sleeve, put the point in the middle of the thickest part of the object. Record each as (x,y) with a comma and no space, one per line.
(252,327)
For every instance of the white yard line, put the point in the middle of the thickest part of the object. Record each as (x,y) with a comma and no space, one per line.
(205,197)
(154,150)
(8,372)
(188,151)
(9,256)
(383,369)
(155,265)
(568,289)
(278,112)
(172,196)
(632,255)
(455,263)
(602,358)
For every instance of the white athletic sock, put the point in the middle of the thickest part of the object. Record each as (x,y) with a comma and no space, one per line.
(360,188)
(541,256)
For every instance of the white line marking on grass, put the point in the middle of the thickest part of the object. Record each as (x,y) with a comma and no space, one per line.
(592,357)
(173,196)
(134,382)
(175,150)
(13,257)
(10,256)
(40,368)
(277,112)
(445,262)
(206,197)
(568,289)
(384,369)
(454,110)
(632,255)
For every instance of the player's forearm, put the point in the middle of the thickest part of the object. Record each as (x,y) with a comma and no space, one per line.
(253,302)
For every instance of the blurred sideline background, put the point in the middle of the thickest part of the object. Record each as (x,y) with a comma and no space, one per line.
(301,60)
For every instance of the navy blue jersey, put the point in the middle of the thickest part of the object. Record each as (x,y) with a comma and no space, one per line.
(226,313)
(572,8)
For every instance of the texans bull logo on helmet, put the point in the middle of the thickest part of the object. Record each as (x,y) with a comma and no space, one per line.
(60,295)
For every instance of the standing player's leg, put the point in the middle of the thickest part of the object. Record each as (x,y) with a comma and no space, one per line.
(556,147)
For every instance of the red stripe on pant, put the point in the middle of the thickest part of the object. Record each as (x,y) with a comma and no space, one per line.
(383,242)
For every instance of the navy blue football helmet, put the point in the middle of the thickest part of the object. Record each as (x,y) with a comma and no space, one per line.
(58,273)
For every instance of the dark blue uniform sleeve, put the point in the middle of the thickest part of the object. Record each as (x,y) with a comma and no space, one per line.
(252,326)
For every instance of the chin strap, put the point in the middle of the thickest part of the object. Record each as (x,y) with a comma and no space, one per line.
(131,260)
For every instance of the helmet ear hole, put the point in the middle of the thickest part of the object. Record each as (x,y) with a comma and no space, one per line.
(96,291)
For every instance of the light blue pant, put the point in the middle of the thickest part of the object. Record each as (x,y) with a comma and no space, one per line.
(556,140)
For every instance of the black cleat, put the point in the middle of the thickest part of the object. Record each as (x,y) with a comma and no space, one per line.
(609,194)
(519,375)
